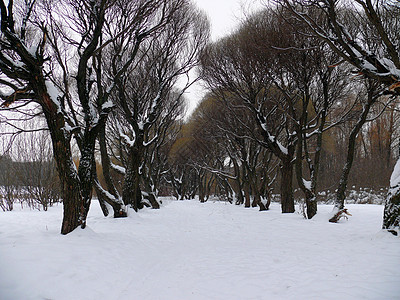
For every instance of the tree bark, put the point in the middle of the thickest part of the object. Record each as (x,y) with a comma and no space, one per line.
(85,173)
(311,206)
(391,215)
(106,164)
(202,185)
(239,193)
(100,195)
(287,200)
(69,180)
(256,194)
(150,193)
(311,203)
(131,193)
(246,188)
(117,206)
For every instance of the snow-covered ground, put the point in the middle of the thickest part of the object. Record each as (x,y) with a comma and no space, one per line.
(189,250)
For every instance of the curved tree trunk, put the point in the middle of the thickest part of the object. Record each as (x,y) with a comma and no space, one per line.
(116,203)
(341,190)
(102,200)
(106,163)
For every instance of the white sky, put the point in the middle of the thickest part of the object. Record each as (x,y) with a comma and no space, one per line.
(224,16)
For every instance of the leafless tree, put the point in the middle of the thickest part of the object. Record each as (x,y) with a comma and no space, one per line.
(50,52)
(36,170)
(279,81)
(145,96)
(373,51)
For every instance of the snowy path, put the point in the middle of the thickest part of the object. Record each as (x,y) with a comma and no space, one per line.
(189,250)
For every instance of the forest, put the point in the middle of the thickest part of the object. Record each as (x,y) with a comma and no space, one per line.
(302,99)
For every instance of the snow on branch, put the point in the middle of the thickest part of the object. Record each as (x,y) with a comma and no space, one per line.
(119,169)
(384,69)
(130,142)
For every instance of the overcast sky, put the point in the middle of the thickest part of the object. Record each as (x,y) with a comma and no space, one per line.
(224,16)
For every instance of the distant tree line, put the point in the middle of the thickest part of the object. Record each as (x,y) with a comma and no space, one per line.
(28,174)
(302,95)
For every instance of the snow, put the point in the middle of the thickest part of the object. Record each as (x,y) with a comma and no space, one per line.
(391,67)
(32,50)
(154,138)
(189,250)
(307,184)
(107,105)
(118,168)
(273,139)
(53,93)
(141,125)
(127,140)
(368,66)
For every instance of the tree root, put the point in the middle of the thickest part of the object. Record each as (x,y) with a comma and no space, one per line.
(342,213)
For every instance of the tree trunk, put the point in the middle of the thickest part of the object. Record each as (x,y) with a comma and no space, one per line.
(152,199)
(201,193)
(202,187)
(102,201)
(100,196)
(287,200)
(341,191)
(246,188)
(268,197)
(85,172)
(260,203)
(311,206)
(391,215)
(311,203)
(119,210)
(257,197)
(240,199)
(69,180)
(131,193)
(150,193)
(106,163)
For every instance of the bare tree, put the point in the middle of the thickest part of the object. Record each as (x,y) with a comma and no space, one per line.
(22,69)
(54,66)
(279,80)
(373,52)
(35,170)
(234,66)
(8,184)
(151,89)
